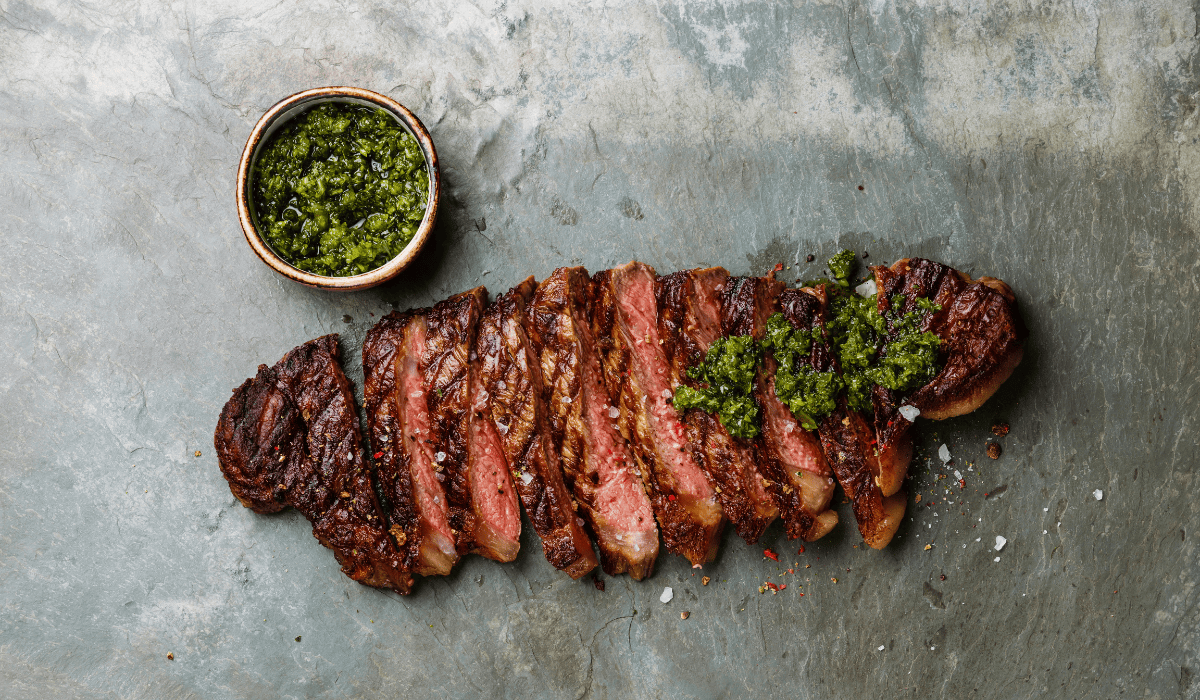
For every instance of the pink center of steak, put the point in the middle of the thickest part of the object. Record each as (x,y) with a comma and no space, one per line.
(636,303)
(620,499)
(491,486)
(430,497)
(799,450)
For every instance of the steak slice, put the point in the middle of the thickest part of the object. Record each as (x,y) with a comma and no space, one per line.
(290,437)
(846,436)
(511,377)
(482,506)
(638,378)
(401,429)
(690,319)
(596,463)
(792,458)
(982,333)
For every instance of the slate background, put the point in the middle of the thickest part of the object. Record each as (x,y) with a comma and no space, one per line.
(1052,145)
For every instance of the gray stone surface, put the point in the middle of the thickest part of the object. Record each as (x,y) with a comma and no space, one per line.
(1054,146)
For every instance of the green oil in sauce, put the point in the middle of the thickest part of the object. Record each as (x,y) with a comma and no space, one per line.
(340,189)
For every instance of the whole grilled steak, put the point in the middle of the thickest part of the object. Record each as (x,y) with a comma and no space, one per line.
(401,429)
(290,437)
(595,460)
(846,436)
(637,376)
(690,320)
(789,456)
(511,376)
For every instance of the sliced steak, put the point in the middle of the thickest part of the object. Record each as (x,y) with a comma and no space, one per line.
(482,511)
(401,429)
(595,459)
(982,333)
(846,437)
(638,378)
(511,377)
(290,437)
(690,319)
(791,456)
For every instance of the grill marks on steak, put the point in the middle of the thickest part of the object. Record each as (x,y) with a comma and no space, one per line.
(595,460)
(846,437)
(401,429)
(981,330)
(512,378)
(690,318)
(290,437)
(639,382)
(468,460)
(791,456)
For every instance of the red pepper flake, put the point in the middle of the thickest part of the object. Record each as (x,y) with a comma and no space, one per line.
(770,555)
(791,571)
(378,455)
(801,595)
(962,483)
(277,448)
(801,549)
(671,497)
(772,586)
(784,587)
(778,267)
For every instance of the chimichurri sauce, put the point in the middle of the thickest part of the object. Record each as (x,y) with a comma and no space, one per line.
(340,189)
(888,350)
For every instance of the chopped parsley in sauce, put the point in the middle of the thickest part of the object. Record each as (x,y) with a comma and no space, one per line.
(727,373)
(340,189)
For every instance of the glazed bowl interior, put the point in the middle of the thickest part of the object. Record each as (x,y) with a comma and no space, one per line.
(280,115)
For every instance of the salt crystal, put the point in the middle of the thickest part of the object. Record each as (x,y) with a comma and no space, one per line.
(866,289)
(910,413)
(613,411)
(1000,542)
(526,477)
(996,559)
(1044,531)
(881,647)
(944,453)
(667,595)
(957,474)
(978,538)
(502,428)
(566,399)
(666,393)
(440,457)
(1098,494)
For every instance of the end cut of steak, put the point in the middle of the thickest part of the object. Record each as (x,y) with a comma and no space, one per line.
(690,320)
(401,429)
(791,456)
(290,437)
(511,377)
(846,436)
(638,378)
(482,505)
(596,463)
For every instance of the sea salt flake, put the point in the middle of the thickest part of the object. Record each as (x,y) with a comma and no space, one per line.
(1000,542)
(667,595)
(957,474)
(944,453)
(440,457)
(666,393)
(910,413)
(613,411)
(1098,494)
(526,477)
(866,289)
(881,647)
(996,559)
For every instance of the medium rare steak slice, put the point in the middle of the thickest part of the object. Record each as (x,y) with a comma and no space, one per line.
(401,431)
(690,319)
(791,457)
(595,459)
(290,437)
(469,462)
(511,377)
(846,436)
(638,378)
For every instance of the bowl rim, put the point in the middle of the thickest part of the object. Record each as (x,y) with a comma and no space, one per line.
(380,274)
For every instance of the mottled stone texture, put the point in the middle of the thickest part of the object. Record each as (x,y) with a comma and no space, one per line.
(1052,145)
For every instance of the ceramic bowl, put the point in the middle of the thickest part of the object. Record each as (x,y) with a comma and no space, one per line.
(292,106)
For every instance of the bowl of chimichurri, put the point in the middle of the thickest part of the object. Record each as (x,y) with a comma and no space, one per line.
(338,188)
